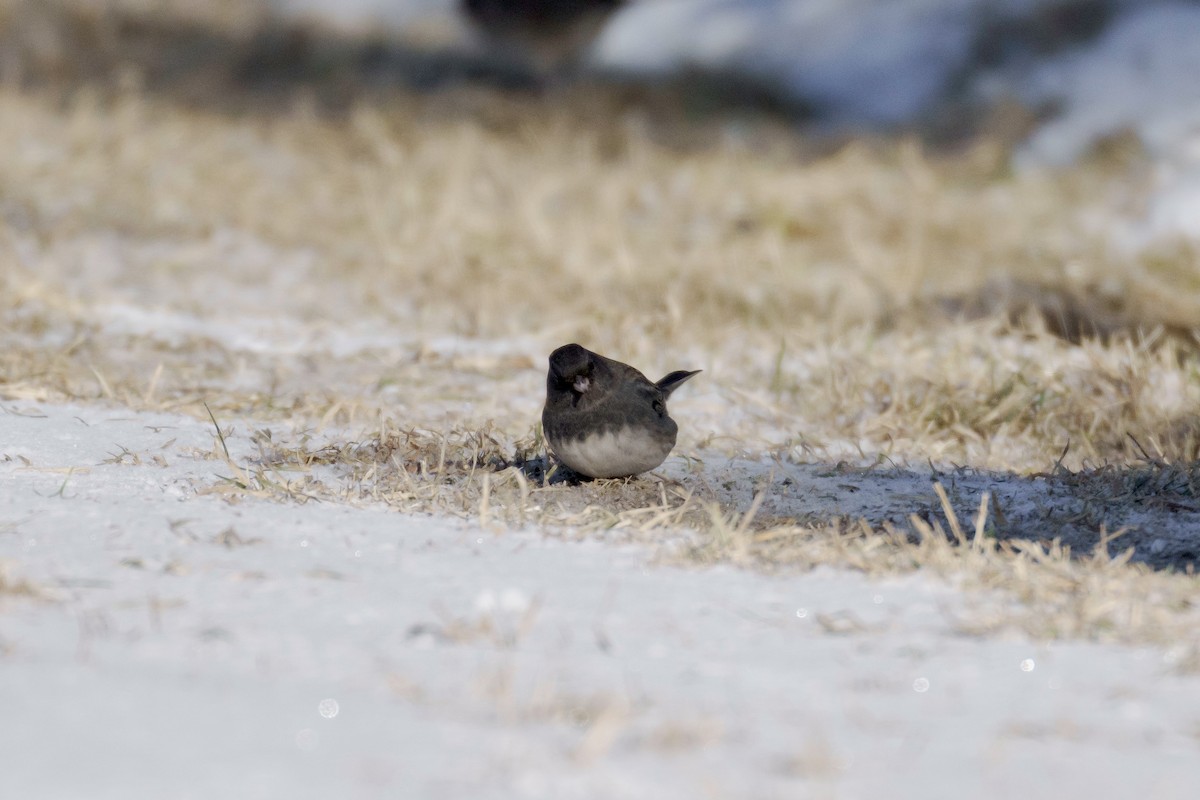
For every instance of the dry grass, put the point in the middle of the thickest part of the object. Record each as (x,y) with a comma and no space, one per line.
(13,586)
(869,302)
(1037,586)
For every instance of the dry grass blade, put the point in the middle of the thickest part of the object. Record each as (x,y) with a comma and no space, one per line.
(220,435)
(981,521)
(948,510)
(12,586)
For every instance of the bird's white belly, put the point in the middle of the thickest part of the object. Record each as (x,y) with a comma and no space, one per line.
(613,455)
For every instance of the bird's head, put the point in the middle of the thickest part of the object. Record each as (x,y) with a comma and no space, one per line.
(571,368)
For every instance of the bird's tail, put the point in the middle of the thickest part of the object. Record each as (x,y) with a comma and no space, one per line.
(674,380)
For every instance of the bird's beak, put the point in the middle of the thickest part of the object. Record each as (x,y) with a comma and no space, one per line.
(581,384)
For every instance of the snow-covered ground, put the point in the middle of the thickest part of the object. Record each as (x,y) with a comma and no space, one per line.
(162,638)
(179,645)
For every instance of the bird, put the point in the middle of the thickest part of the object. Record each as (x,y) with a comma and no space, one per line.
(547,32)
(605,419)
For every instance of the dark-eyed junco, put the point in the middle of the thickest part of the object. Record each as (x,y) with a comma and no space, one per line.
(604,419)
(548,31)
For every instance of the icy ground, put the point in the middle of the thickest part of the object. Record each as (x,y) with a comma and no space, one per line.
(178,645)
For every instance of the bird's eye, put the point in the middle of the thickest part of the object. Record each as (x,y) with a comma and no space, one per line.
(659,408)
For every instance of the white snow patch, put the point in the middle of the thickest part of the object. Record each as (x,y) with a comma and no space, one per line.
(858,60)
(1141,76)
(425,22)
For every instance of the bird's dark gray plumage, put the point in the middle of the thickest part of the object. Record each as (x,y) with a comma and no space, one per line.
(605,419)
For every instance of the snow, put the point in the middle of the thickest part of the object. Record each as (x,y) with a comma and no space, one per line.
(1139,76)
(855,60)
(192,647)
(1140,79)
(1173,211)
(430,22)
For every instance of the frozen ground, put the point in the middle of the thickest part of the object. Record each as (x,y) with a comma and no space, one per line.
(164,633)
(159,641)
